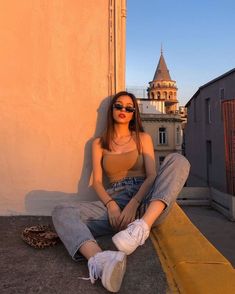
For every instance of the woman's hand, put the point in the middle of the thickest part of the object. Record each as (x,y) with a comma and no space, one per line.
(114,213)
(128,214)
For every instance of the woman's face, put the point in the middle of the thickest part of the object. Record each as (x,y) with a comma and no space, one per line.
(123,110)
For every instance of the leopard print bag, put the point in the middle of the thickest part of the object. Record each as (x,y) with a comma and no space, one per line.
(40,236)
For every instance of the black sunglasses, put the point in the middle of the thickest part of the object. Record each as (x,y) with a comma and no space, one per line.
(118,106)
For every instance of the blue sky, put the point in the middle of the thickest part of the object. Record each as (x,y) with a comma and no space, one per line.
(198,40)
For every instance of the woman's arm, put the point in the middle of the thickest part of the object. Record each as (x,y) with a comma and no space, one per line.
(112,207)
(129,212)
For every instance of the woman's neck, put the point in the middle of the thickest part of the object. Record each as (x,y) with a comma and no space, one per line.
(121,130)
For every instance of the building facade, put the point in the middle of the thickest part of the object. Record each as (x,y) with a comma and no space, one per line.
(166,133)
(205,134)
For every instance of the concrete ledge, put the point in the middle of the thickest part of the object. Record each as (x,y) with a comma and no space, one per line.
(192,264)
(224,203)
(194,196)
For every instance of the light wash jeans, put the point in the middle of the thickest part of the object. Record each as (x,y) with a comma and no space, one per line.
(85,221)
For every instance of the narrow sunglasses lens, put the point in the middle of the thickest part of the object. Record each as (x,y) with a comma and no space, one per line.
(130,109)
(118,106)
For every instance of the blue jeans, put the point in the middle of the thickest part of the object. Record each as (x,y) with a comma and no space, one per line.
(78,223)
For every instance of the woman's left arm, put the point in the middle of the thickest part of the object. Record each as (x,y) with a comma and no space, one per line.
(129,212)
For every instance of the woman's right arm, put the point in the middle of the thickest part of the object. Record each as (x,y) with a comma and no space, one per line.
(112,207)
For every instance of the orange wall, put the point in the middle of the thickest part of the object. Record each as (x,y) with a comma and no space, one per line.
(53,77)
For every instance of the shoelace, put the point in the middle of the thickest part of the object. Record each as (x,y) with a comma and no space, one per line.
(93,271)
(137,232)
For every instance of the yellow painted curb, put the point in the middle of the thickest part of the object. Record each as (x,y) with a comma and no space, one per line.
(192,264)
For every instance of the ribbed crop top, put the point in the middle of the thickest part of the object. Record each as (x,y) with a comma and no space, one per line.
(123,165)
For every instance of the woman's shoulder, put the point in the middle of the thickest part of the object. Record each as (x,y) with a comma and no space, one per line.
(97,143)
(144,136)
(97,140)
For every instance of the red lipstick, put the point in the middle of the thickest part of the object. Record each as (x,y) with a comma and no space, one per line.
(122,115)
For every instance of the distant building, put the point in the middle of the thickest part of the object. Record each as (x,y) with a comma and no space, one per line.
(160,113)
(210,134)
(166,133)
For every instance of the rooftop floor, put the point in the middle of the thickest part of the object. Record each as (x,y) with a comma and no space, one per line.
(28,270)
(51,270)
(215,227)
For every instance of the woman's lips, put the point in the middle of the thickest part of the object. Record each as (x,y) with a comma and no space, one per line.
(122,115)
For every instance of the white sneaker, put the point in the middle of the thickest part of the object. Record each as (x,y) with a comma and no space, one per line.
(133,236)
(110,267)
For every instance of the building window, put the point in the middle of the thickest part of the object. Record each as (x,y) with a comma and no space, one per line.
(208,152)
(208,110)
(195,110)
(178,136)
(158,95)
(140,107)
(221,98)
(208,160)
(221,94)
(162,136)
(161,159)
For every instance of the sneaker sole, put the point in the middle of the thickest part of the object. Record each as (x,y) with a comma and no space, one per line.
(113,273)
(121,246)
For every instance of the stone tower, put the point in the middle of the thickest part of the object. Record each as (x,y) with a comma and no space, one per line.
(163,88)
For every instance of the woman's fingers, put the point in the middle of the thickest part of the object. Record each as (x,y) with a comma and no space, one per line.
(114,222)
(124,222)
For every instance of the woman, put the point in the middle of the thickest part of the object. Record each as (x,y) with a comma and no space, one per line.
(135,200)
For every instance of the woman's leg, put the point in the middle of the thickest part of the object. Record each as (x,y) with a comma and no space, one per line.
(77,226)
(170,180)
(153,212)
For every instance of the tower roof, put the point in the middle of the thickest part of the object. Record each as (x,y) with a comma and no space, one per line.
(162,72)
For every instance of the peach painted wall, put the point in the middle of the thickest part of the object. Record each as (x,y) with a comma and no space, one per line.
(54,58)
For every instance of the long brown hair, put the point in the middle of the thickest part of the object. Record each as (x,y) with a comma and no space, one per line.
(135,125)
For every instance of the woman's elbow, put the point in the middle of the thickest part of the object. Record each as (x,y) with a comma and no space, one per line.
(95,184)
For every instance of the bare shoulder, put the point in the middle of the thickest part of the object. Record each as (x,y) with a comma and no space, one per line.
(145,137)
(96,141)
(96,144)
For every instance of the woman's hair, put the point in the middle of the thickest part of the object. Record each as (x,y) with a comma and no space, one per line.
(135,125)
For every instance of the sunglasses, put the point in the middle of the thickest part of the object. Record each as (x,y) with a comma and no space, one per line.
(129,109)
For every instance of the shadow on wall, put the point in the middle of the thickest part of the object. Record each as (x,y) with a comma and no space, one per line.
(42,202)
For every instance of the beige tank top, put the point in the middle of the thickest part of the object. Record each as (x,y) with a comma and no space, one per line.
(123,165)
